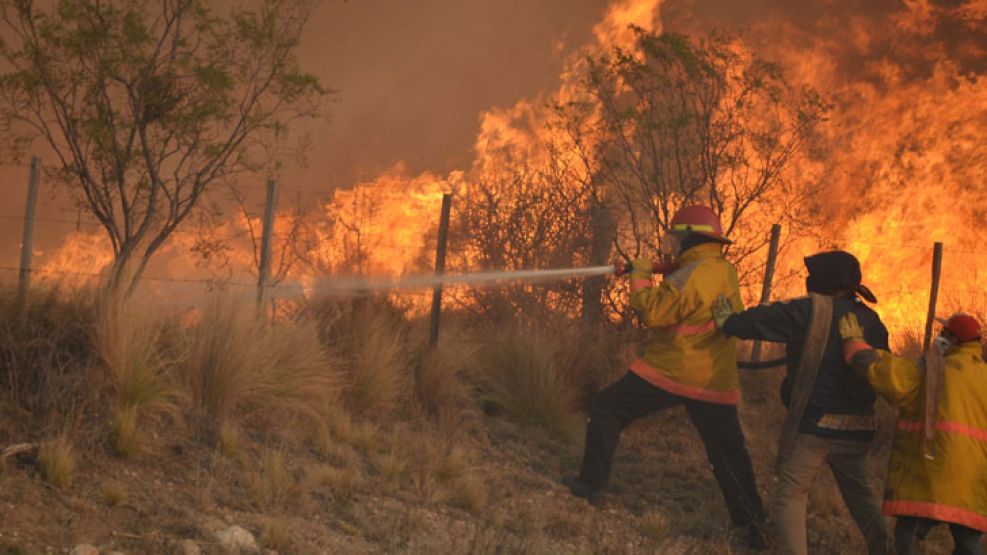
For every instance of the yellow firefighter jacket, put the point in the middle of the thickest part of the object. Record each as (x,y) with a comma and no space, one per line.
(687,355)
(952,486)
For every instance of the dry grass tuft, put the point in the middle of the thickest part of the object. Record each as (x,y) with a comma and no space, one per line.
(57,461)
(654,524)
(241,367)
(132,345)
(229,439)
(391,467)
(521,376)
(449,465)
(339,481)
(114,493)
(278,535)
(441,386)
(379,375)
(369,333)
(46,357)
(364,437)
(470,493)
(273,486)
(123,434)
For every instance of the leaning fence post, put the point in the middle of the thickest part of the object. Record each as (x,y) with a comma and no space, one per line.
(440,266)
(769,274)
(24,277)
(264,269)
(933,293)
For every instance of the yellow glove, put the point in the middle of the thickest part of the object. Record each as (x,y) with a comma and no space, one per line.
(722,309)
(850,328)
(642,268)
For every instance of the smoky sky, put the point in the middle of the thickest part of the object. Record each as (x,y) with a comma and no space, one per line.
(413,76)
(935,31)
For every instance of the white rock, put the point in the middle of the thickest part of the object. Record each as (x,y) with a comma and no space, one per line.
(237,541)
(189,547)
(84,549)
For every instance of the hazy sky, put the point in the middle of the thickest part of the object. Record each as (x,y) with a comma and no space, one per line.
(413,76)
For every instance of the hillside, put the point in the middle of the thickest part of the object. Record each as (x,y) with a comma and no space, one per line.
(152,434)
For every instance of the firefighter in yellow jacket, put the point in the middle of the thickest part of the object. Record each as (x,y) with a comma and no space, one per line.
(687,362)
(938,467)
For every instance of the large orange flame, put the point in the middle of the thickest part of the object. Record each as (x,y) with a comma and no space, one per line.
(904,164)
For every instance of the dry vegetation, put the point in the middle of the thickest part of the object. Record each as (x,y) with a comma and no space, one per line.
(335,429)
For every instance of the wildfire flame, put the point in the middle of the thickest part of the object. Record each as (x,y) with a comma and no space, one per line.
(905,162)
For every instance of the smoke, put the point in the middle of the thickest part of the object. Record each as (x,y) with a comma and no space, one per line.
(413,77)
(856,37)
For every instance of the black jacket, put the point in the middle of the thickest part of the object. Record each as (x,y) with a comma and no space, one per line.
(838,391)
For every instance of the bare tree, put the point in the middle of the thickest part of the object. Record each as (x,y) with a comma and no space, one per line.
(147,103)
(524,218)
(678,121)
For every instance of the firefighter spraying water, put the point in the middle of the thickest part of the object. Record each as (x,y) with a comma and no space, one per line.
(686,362)
(697,316)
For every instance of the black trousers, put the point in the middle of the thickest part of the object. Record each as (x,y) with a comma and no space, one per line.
(631,398)
(966,541)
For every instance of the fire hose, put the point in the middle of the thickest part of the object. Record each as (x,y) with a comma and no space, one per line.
(359,284)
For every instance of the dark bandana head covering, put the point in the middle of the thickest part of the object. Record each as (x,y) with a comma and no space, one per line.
(833,271)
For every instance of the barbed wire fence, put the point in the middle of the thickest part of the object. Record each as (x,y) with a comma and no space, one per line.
(897,304)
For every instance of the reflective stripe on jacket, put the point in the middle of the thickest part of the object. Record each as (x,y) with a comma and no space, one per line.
(952,486)
(686,354)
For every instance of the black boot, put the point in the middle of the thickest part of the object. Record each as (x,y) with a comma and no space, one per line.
(757,536)
(592,494)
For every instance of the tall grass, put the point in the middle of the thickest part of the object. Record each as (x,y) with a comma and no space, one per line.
(57,460)
(521,373)
(441,382)
(379,374)
(240,367)
(140,365)
(45,351)
(369,336)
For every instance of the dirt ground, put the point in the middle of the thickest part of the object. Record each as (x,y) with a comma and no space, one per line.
(501,494)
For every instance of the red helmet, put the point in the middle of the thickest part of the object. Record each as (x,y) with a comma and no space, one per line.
(700,220)
(963,326)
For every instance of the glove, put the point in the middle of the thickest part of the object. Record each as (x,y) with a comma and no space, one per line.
(642,268)
(666,264)
(850,328)
(722,309)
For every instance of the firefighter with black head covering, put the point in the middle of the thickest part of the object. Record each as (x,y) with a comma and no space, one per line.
(687,361)
(938,467)
(830,417)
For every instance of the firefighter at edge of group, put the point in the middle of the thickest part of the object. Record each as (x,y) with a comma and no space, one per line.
(830,418)
(942,478)
(686,362)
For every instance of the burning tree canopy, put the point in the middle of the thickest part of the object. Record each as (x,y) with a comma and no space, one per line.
(668,122)
(682,121)
(147,104)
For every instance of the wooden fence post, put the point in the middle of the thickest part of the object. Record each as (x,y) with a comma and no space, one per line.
(24,276)
(440,266)
(933,293)
(769,274)
(264,269)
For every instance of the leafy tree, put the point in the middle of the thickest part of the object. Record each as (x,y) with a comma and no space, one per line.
(147,104)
